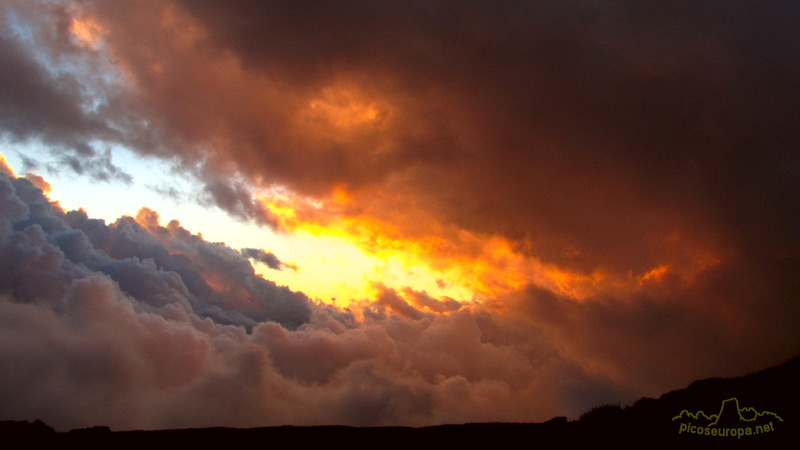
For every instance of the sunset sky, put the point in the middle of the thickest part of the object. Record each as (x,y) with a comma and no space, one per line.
(248,213)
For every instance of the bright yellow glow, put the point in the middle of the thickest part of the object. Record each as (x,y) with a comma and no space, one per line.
(342,256)
(331,266)
(343,250)
(346,250)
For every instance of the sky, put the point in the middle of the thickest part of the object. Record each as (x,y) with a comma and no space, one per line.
(253,213)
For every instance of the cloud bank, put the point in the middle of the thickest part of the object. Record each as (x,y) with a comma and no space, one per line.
(139,325)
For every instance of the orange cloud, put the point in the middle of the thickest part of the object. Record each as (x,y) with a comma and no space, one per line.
(4,167)
(86,32)
(39,182)
(343,108)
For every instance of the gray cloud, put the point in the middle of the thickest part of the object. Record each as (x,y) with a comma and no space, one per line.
(169,266)
(267,258)
(238,201)
(46,92)
(35,104)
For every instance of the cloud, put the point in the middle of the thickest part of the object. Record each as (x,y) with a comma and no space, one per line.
(267,258)
(34,103)
(391,300)
(54,94)
(169,266)
(139,325)
(238,201)
(423,300)
(39,182)
(98,166)
(660,335)
(557,128)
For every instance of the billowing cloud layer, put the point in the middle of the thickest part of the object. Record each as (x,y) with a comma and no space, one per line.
(619,183)
(134,324)
(138,325)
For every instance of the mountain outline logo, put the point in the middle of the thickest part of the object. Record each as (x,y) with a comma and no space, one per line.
(732,420)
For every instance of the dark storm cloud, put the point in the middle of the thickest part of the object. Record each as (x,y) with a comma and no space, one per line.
(608,138)
(35,104)
(617,117)
(725,322)
(590,131)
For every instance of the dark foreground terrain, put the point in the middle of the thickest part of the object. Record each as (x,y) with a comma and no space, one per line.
(764,414)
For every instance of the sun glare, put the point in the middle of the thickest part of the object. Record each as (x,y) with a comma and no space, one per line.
(348,253)
(349,250)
